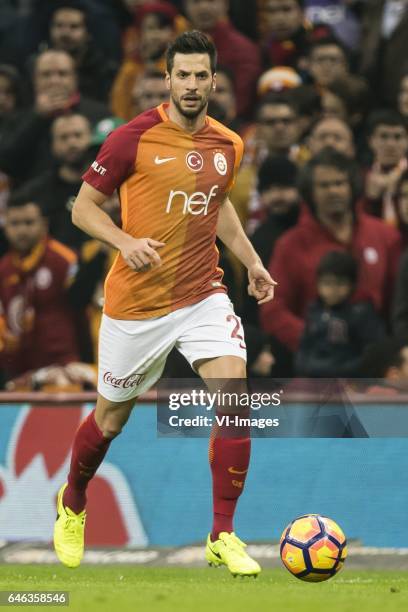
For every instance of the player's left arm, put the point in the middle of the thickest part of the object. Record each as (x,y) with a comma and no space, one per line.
(230,231)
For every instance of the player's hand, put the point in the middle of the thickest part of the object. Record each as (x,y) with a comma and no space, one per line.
(261,285)
(140,253)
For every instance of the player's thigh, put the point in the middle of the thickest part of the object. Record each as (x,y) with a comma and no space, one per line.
(132,356)
(213,341)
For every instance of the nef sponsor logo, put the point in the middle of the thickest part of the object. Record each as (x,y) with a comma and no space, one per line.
(98,168)
(134,380)
(196,204)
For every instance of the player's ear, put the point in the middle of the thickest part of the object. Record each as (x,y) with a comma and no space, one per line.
(167,80)
(214,81)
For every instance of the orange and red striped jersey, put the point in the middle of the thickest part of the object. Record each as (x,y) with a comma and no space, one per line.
(171,184)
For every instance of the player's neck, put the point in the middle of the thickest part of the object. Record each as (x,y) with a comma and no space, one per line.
(189,125)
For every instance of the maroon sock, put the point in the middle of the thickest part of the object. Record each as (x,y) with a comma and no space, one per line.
(229,460)
(89,449)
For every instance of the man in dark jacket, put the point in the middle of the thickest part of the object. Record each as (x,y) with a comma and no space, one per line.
(330,221)
(279,198)
(25,149)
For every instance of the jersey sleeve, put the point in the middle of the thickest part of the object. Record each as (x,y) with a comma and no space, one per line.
(114,163)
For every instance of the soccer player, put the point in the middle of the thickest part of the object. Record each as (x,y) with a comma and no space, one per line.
(174,167)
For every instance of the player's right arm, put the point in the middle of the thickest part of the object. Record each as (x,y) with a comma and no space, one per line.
(87,214)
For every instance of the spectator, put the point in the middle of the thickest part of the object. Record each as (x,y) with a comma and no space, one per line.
(328,62)
(235,51)
(400,305)
(403,97)
(156,23)
(285,36)
(331,132)
(224,95)
(388,141)
(339,16)
(56,190)
(275,133)
(279,200)
(309,108)
(37,323)
(279,197)
(337,330)
(331,220)
(386,362)
(384,47)
(401,199)
(25,147)
(260,359)
(149,90)
(68,31)
(346,99)
(11,101)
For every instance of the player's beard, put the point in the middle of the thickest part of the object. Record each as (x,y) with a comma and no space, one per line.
(191,113)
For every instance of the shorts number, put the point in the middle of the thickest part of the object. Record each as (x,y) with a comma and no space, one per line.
(237,327)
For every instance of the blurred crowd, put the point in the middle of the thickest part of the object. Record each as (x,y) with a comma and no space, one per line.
(317,89)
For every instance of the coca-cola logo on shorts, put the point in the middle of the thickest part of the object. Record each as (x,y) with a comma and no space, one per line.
(134,380)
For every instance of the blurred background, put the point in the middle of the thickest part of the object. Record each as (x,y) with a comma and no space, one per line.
(318,90)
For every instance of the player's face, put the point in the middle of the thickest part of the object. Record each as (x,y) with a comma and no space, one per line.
(327,63)
(277,127)
(24,227)
(332,133)
(389,144)
(279,199)
(332,193)
(403,202)
(282,17)
(204,14)
(333,290)
(190,83)
(71,138)
(68,30)
(7,96)
(55,72)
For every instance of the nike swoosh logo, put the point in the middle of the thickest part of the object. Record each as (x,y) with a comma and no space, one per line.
(162,160)
(234,471)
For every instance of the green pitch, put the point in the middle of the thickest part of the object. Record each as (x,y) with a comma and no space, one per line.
(124,588)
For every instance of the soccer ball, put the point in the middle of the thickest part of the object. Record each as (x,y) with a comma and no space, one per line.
(313,548)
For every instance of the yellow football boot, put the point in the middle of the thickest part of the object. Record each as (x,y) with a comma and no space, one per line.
(229,550)
(69,531)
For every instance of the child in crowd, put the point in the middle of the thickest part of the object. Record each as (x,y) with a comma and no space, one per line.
(337,329)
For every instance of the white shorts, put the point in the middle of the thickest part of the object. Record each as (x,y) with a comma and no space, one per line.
(132,354)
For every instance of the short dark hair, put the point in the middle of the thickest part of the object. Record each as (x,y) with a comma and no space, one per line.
(273,98)
(333,159)
(327,41)
(276,170)
(339,264)
(385,116)
(21,197)
(188,43)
